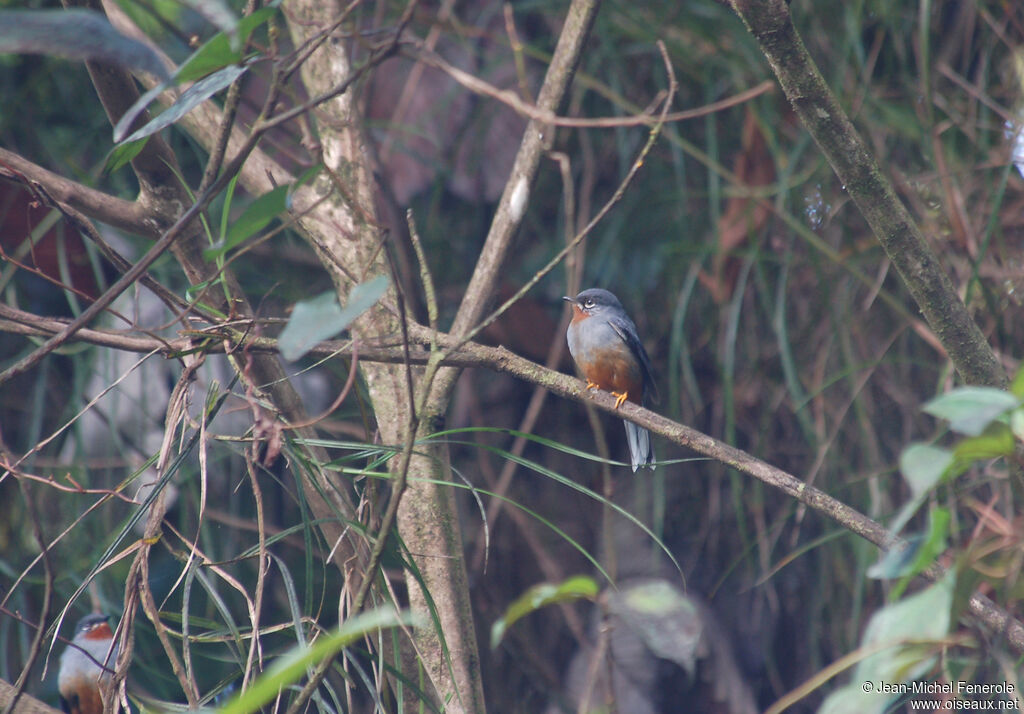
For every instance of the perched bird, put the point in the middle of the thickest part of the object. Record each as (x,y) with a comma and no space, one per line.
(604,344)
(80,674)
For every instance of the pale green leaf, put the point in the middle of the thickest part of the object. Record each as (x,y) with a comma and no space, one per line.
(923,467)
(898,639)
(321,318)
(970,409)
(291,666)
(189,100)
(121,154)
(542,595)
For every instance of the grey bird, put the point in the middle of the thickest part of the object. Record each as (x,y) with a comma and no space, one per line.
(609,354)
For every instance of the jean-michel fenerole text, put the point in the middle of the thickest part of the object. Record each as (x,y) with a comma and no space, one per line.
(959,687)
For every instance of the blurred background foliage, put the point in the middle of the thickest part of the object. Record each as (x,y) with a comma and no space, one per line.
(768,309)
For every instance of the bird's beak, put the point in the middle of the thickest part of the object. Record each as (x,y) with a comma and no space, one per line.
(570,299)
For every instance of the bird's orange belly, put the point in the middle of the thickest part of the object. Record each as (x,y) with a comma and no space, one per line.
(614,373)
(82,697)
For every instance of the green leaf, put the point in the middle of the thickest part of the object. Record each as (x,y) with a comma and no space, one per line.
(218,55)
(932,545)
(189,100)
(923,466)
(256,215)
(574,588)
(1017,385)
(997,440)
(254,218)
(970,409)
(923,616)
(311,322)
(919,552)
(897,640)
(217,13)
(292,666)
(1017,423)
(75,34)
(121,154)
(322,318)
(217,52)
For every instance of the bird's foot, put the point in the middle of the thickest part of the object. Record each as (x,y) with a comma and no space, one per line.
(592,385)
(620,397)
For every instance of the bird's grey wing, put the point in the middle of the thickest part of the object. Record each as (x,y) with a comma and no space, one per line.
(626,331)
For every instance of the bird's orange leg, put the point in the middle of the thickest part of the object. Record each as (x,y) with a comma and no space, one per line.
(620,397)
(592,385)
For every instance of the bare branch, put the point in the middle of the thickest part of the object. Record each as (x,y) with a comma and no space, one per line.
(129,216)
(537,139)
(501,360)
(104,300)
(549,117)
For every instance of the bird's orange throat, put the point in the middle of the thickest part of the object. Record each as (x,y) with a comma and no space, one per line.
(100,632)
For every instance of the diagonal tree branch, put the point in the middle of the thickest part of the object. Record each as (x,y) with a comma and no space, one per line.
(26,704)
(770,22)
(499,359)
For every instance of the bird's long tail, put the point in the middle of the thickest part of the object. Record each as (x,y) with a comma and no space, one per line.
(640,451)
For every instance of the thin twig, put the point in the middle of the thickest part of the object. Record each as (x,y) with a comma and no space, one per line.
(605,209)
(262,562)
(47,602)
(546,116)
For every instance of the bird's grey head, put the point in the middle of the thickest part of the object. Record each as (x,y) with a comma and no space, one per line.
(595,301)
(90,621)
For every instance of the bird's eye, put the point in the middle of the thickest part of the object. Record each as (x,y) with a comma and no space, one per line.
(588,303)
